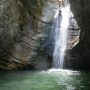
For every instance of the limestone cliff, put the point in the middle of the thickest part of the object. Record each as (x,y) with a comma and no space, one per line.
(26,34)
(25,26)
(80,55)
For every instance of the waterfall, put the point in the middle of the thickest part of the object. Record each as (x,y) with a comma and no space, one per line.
(61,32)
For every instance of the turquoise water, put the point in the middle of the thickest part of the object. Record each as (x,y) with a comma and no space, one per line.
(45,80)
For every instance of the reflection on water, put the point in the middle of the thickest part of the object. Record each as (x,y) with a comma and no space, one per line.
(45,80)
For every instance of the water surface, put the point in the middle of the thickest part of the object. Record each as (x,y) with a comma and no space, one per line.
(54,79)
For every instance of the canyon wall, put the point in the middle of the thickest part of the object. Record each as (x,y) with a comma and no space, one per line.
(26,34)
(25,27)
(80,54)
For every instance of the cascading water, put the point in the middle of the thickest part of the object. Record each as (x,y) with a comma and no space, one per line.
(61,31)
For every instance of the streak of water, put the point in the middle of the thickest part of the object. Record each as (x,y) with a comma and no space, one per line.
(61,31)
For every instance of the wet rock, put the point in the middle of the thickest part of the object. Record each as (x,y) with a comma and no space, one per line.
(25,26)
(79,56)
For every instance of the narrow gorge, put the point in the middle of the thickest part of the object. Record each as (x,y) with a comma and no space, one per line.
(44,45)
(27,35)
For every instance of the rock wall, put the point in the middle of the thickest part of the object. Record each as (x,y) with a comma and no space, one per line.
(80,55)
(26,34)
(25,27)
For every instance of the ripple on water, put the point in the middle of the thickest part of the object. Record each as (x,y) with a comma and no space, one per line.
(53,79)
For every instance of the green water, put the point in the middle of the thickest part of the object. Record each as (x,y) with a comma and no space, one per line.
(45,80)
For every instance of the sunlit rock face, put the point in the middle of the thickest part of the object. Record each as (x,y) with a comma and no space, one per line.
(80,55)
(25,27)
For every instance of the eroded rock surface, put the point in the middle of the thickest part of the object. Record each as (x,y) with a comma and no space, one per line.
(26,34)
(80,55)
(25,26)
